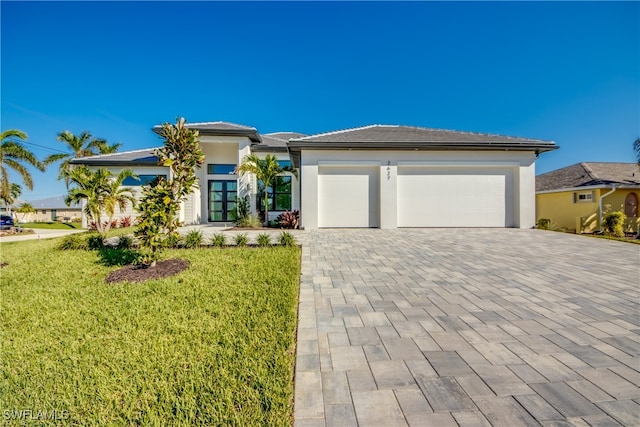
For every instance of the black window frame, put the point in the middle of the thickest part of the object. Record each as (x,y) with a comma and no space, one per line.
(274,193)
(144,179)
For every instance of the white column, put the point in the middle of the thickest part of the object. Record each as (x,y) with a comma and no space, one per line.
(388,195)
(309,196)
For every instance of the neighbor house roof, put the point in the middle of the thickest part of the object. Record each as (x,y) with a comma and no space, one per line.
(144,157)
(590,174)
(56,202)
(221,129)
(410,137)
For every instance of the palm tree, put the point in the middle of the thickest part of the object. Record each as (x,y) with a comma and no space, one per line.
(265,170)
(13,155)
(636,148)
(101,192)
(84,145)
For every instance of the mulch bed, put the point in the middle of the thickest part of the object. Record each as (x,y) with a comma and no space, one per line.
(140,273)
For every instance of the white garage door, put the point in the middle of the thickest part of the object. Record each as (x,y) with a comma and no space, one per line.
(348,196)
(454,197)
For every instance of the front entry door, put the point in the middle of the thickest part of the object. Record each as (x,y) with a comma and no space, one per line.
(222,200)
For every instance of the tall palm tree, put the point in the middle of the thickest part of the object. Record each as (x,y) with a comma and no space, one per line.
(265,170)
(84,145)
(636,148)
(101,191)
(14,156)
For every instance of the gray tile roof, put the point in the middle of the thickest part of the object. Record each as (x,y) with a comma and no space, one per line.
(221,129)
(395,136)
(56,202)
(276,141)
(590,174)
(144,157)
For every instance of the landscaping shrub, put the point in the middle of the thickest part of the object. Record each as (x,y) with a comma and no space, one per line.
(289,220)
(241,239)
(172,241)
(95,241)
(73,241)
(193,239)
(613,224)
(126,221)
(263,240)
(287,239)
(544,223)
(218,240)
(126,242)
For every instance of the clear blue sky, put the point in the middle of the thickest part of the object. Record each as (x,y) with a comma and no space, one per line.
(567,72)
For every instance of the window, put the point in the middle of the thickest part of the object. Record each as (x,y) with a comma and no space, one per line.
(213,169)
(142,180)
(279,194)
(284,163)
(582,197)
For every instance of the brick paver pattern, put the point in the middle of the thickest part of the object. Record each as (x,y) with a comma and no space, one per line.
(467,327)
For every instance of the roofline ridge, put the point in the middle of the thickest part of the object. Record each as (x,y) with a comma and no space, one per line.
(118,153)
(338,131)
(588,170)
(480,133)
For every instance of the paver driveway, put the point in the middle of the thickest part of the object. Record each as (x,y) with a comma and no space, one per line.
(467,327)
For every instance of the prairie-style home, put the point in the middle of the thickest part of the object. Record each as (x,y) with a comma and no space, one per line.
(383,176)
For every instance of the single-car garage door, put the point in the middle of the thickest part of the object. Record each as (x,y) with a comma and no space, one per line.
(455,197)
(348,196)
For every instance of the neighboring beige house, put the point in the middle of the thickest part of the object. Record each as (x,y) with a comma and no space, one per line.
(52,209)
(576,197)
(384,176)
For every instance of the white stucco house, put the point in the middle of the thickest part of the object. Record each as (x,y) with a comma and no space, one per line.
(382,176)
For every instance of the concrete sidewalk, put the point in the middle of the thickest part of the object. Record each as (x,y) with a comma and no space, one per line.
(467,327)
(40,233)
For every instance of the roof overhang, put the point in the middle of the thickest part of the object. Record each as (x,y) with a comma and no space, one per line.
(620,186)
(297,146)
(251,133)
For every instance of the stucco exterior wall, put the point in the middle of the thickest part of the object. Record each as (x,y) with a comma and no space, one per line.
(388,161)
(582,216)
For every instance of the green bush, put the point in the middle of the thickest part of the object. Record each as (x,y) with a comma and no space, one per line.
(95,241)
(544,223)
(73,241)
(287,239)
(172,241)
(193,239)
(613,224)
(218,240)
(241,239)
(126,242)
(263,240)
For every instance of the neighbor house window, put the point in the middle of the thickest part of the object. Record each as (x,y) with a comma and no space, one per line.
(220,169)
(142,180)
(279,194)
(582,197)
(284,163)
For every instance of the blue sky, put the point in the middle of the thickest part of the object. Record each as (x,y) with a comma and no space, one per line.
(567,72)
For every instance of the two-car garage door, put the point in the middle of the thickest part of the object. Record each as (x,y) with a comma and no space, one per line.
(454,197)
(425,196)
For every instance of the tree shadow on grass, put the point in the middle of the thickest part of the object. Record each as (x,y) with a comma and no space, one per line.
(112,257)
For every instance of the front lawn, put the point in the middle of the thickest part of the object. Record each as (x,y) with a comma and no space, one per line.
(52,225)
(213,345)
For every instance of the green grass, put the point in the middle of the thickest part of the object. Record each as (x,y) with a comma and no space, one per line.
(52,225)
(213,345)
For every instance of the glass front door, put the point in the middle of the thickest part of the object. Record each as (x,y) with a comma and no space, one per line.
(222,200)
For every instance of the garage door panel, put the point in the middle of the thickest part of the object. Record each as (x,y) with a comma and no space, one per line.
(452,198)
(347,197)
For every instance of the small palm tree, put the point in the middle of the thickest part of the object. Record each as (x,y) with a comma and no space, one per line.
(265,170)
(84,145)
(24,209)
(14,156)
(101,192)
